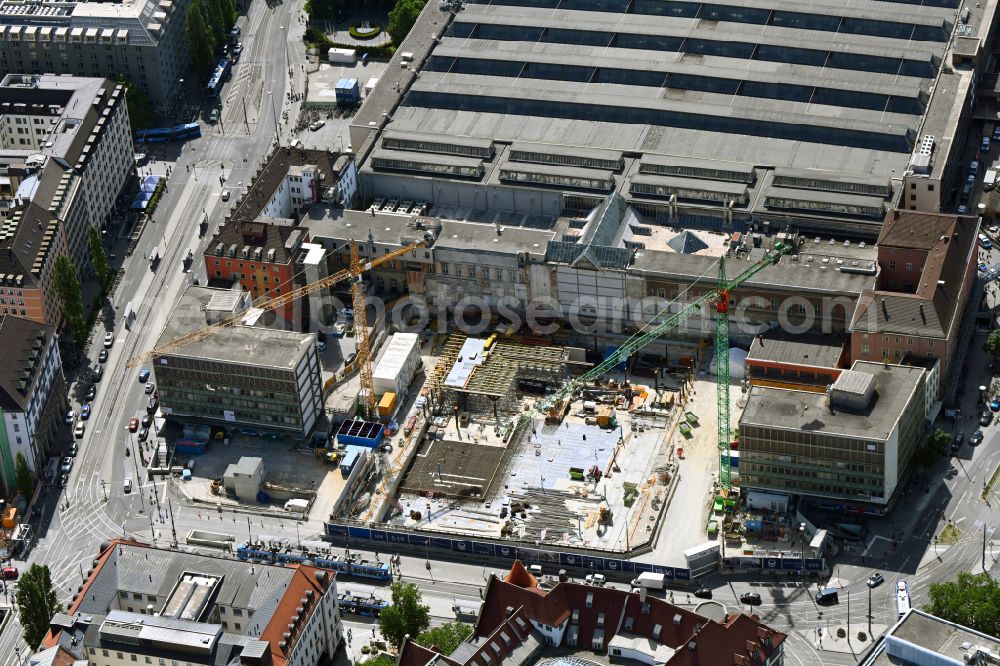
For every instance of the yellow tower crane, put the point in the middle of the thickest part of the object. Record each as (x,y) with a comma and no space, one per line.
(356,269)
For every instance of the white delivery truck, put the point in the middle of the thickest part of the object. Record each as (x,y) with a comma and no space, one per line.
(990,179)
(650,581)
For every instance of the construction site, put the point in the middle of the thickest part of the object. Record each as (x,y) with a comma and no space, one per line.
(493,462)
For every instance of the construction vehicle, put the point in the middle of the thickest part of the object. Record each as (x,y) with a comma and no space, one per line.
(356,269)
(556,404)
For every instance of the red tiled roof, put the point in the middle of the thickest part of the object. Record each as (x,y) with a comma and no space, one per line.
(653,618)
(303,579)
(519,576)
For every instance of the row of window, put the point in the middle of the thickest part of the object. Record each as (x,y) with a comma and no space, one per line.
(689,171)
(442,147)
(806,183)
(808,487)
(733,84)
(557,180)
(536,157)
(458,170)
(691,193)
(701,118)
(684,43)
(825,206)
(472,271)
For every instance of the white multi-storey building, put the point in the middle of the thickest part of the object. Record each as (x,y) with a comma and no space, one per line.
(140,40)
(65,147)
(32,394)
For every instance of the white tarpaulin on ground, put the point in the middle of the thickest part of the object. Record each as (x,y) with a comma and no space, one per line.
(737,363)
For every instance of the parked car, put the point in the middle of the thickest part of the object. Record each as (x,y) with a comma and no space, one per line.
(703,593)
(99,373)
(984,145)
(103,356)
(143,434)
(317,125)
(152,405)
(213,118)
(150,388)
(976,438)
(957,442)
(147,420)
(225,195)
(64,480)
(78,432)
(133,424)
(875,580)
(144,375)
(92,392)
(85,411)
(986,418)
(72,449)
(70,417)
(10,573)
(127,486)
(109,339)
(750,599)
(995,404)
(67,465)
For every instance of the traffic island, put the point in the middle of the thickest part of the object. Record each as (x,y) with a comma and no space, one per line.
(854,638)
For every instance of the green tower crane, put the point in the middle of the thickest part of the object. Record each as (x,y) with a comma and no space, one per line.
(650,332)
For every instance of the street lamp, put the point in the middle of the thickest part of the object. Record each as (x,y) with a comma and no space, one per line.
(284,36)
(274,110)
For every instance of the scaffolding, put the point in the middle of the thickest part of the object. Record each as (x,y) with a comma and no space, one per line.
(494,385)
(446,359)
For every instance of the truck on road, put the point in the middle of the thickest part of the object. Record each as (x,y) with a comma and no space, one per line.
(650,581)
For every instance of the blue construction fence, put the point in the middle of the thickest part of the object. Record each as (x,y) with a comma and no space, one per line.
(485,548)
(558,558)
(774,563)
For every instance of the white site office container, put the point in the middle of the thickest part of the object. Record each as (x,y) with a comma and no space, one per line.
(342,56)
(398,365)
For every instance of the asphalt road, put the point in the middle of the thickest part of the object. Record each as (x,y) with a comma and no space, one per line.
(93,507)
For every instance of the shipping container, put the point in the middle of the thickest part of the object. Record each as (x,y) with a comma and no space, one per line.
(348,91)
(189,447)
(387,405)
(399,363)
(355,432)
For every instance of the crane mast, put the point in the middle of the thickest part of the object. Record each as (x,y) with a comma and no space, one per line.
(361,332)
(722,373)
(355,271)
(720,298)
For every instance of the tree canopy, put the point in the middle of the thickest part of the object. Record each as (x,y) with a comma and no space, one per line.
(99,259)
(407,615)
(37,603)
(140,110)
(322,9)
(973,600)
(447,637)
(23,478)
(67,287)
(200,38)
(992,344)
(402,17)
